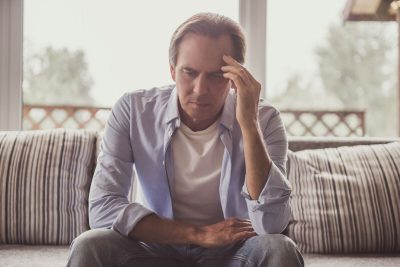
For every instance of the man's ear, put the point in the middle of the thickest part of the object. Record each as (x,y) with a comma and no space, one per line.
(172,71)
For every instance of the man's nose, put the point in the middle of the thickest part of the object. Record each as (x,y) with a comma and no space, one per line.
(201,85)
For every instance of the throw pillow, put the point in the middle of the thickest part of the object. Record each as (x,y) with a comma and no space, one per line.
(44,185)
(346,199)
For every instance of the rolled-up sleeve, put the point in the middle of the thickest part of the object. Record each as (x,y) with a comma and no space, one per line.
(109,206)
(271,212)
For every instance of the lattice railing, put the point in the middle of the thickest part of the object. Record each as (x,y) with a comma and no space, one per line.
(49,117)
(324,122)
(297,122)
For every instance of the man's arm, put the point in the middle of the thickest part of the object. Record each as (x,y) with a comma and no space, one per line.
(152,228)
(108,198)
(267,187)
(258,162)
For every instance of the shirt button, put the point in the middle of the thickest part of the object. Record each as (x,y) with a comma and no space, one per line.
(163,163)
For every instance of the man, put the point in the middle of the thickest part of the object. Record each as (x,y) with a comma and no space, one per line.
(209,158)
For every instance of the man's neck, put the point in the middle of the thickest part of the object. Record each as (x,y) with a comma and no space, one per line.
(196,125)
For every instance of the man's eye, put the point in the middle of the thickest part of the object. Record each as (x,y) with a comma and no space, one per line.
(188,72)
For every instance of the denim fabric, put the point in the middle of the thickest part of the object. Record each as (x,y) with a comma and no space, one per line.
(106,248)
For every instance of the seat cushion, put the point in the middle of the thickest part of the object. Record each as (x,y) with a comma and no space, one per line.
(346,199)
(352,260)
(33,256)
(44,185)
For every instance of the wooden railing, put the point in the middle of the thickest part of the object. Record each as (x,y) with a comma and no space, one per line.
(324,122)
(297,122)
(48,117)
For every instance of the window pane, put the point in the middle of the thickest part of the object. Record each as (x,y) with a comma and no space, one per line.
(88,53)
(316,61)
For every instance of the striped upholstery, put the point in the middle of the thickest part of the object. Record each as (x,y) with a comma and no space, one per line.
(44,184)
(346,199)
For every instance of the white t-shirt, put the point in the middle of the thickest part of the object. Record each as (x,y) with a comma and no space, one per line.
(197,158)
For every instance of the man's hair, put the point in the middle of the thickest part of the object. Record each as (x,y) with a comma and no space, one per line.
(210,25)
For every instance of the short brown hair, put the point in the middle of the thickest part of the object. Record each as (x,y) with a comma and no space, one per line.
(212,25)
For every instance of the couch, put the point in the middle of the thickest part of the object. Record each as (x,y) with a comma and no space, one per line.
(45,179)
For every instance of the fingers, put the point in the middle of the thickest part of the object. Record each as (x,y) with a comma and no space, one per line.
(236,220)
(237,80)
(231,61)
(239,71)
(238,74)
(234,71)
(228,231)
(240,225)
(244,235)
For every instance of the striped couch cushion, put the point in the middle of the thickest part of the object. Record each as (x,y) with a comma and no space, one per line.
(44,185)
(346,199)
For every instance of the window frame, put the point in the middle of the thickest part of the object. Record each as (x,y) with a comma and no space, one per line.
(252,16)
(11,17)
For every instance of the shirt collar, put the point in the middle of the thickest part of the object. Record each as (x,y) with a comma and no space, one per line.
(227,116)
(172,111)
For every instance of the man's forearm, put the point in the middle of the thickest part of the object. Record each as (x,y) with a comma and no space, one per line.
(258,162)
(152,228)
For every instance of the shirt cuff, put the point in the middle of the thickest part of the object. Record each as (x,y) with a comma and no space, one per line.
(275,193)
(129,217)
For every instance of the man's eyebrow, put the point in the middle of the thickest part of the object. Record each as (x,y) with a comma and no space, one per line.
(219,72)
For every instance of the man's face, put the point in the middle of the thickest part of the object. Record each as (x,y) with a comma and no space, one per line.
(200,85)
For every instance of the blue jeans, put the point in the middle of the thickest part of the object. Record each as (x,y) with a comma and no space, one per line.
(105,247)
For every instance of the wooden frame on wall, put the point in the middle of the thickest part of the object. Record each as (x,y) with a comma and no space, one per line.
(11,64)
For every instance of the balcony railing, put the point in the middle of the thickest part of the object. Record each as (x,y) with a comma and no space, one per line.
(297,122)
(48,117)
(324,122)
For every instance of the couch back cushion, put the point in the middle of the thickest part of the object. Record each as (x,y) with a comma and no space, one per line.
(44,185)
(346,199)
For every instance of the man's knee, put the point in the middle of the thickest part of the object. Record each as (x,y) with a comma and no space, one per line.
(278,242)
(92,240)
(279,247)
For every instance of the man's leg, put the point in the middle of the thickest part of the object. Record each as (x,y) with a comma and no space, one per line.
(105,247)
(272,250)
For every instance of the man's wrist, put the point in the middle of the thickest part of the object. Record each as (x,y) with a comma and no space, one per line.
(250,127)
(195,235)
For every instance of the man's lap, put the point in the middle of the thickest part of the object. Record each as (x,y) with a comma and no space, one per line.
(124,251)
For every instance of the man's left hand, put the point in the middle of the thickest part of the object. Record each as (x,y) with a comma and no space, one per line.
(247,90)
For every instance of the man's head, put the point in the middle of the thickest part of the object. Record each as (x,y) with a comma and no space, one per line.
(195,53)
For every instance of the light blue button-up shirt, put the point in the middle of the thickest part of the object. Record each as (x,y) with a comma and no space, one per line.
(139,133)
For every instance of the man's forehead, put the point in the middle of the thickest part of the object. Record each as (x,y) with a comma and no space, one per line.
(203,54)
(194,43)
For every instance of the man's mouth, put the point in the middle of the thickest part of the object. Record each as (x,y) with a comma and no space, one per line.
(200,104)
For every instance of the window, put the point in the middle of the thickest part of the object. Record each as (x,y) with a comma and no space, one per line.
(81,54)
(316,62)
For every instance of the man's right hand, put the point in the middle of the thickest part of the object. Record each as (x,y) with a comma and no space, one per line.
(224,233)
(153,228)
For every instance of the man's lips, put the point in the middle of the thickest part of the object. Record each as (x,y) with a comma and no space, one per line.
(199,103)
